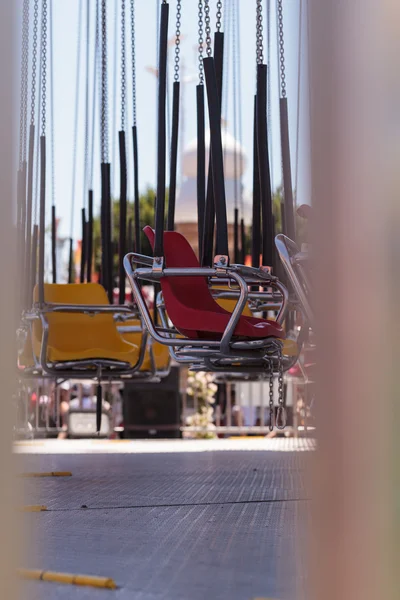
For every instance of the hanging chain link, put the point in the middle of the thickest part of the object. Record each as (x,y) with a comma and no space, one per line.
(104,84)
(177,40)
(259,34)
(281,417)
(133,53)
(34,58)
(271,395)
(281,49)
(44,65)
(24,84)
(201,42)
(219,15)
(207,26)
(123,66)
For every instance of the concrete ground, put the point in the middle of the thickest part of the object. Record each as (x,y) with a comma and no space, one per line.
(182,520)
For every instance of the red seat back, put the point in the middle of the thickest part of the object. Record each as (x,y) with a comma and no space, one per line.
(192,292)
(189,302)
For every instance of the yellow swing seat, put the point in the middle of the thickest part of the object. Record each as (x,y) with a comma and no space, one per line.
(80,336)
(160,352)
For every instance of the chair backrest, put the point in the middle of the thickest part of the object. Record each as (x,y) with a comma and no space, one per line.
(74,330)
(73,293)
(287,251)
(192,292)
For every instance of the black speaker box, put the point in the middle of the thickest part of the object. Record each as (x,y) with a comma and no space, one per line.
(153,410)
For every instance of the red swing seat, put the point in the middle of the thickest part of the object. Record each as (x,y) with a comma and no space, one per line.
(189,302)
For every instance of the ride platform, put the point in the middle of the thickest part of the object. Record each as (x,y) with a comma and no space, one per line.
(173,520)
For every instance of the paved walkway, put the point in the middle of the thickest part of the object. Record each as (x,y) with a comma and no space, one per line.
(173,520)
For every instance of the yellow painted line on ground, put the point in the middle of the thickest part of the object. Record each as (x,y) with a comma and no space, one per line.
(33,508)
(68,578)
(48,474)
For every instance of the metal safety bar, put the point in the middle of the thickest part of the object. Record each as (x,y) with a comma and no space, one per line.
(293,262)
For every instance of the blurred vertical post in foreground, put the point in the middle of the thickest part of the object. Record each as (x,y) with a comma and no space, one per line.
(8,275)
(355,149)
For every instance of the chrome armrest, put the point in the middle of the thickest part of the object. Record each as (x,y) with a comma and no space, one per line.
(230,274)
(83,308)
(141,259)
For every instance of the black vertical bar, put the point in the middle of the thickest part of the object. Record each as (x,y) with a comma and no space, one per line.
(31,150)
(161,149)
(54,244)
(71,261)
(209,217)
(130,235)
(21,228)
(122,215)
(90,238)
(219,61)
(201,166)
(283,216)
(22,207)
(33,265)
(264,169)
(110,247)
(138,245)
(99,407)
(256,217)
(104,228)
(42,216)
(236,237)
(83,248)
(290,228)
(242,242)
(214,111)
(174,157)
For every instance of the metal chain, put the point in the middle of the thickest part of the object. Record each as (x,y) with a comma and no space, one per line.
(201,42)
(281,49)
(219,15)
(123,66)
(133,54)
(271,395)
(177,39)
(104,84)
(34,58)
(44,64)
(281,417)
(259,34)
(207,26)
(24,84)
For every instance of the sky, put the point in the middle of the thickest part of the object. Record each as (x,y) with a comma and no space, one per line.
(68,190)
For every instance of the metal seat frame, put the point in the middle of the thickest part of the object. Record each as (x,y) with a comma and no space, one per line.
(238,356)
(295,264)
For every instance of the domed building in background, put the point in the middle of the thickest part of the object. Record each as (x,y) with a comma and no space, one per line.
(186,200)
